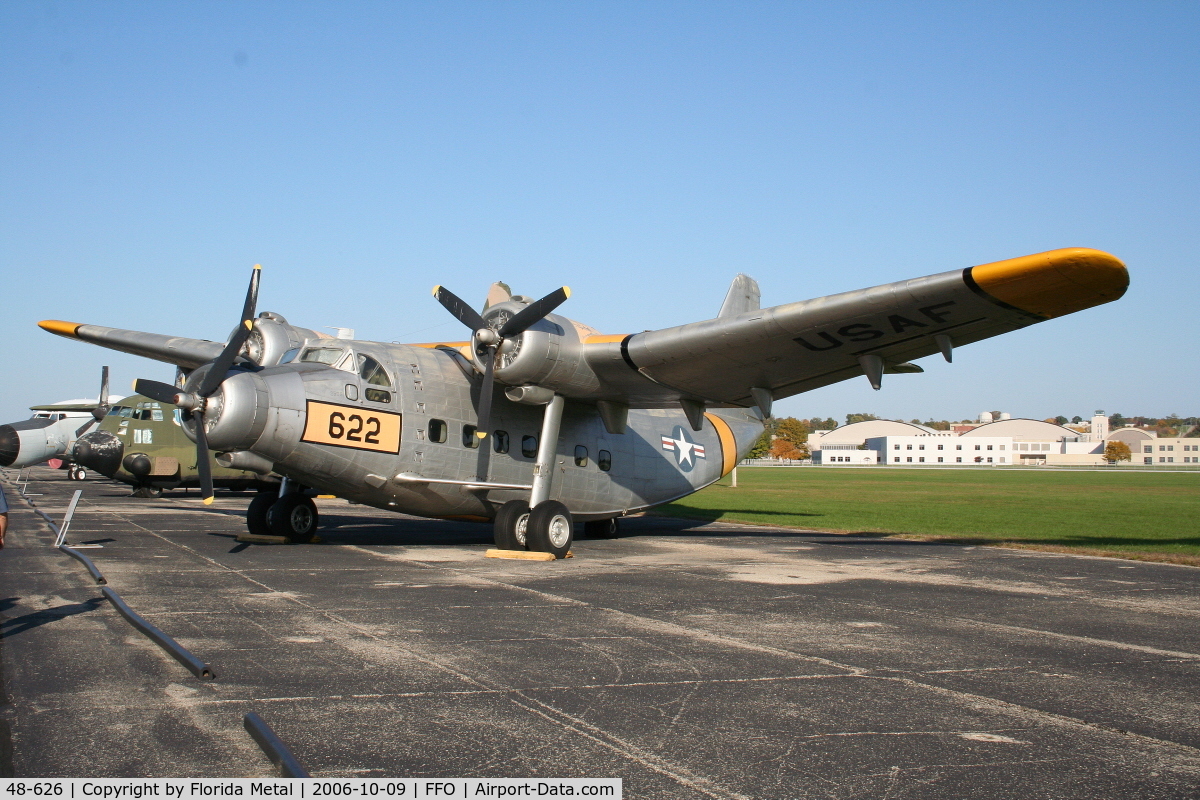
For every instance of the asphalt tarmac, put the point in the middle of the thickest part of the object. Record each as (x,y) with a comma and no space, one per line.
(689,659)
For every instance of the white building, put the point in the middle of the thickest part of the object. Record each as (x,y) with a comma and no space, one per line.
(943,448)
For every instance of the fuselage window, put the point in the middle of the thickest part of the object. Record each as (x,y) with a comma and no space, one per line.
(372,371)
(290,356)
(437,431)
(604,460)
(500,441)
(529,446)
(322,355)
(581,455)
(126,411)
(469,438)
(379,396)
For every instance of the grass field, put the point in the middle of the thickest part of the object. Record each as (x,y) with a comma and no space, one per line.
(1153,516)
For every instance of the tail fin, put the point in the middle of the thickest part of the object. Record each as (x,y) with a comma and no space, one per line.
(743,296)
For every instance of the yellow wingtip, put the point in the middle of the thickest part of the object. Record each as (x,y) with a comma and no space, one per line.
(567,291)
(60,327)
(1056,282)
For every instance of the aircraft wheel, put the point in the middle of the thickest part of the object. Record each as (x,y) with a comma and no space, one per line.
(510,525)
(602,529)
(149,492)
(550,529)
(256,514)
(293,516)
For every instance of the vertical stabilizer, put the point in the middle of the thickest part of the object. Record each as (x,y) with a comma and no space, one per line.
(743,296)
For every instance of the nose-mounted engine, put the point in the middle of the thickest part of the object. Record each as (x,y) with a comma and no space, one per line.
(30,441)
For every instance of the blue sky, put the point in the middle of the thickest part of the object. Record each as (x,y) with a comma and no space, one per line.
(642,153)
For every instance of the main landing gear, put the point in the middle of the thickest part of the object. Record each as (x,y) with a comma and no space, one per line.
(289,513)
(76,473)
(542,524)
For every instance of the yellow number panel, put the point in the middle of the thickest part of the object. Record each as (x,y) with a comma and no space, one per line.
(351,426)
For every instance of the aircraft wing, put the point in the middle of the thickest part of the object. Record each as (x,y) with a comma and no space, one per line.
(797,347)
(186,353)
(66,407)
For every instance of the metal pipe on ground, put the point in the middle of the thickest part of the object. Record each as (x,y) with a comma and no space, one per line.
(273,746)
(174,648)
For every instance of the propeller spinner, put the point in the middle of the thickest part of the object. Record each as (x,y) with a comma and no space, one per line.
(195,402)
(486,341)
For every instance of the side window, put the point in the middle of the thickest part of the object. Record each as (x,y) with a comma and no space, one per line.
(581,456)
(604,460)
(379,396)
(437,431)
(469,439)
(156,414)
(322,355)
(372,371)
(500,441)
(529,446)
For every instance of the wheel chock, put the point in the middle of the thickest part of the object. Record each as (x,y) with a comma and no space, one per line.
(523,555)
(252,538)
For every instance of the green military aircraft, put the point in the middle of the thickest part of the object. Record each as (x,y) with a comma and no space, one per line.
(140,442)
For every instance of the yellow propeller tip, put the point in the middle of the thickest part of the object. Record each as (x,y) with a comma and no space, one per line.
(208,501)
(435,289)
(258,266)
(567,291)
(249,325)
(481,434)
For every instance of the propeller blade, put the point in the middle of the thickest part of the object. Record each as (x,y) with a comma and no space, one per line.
(221,364)
(82,429)
(485,415)
(461,311)
(535,311)
(203,469)
(162,392)
(103,387)
(252,295)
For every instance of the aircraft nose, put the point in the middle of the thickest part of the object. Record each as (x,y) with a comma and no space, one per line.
(1053,283)
(10,445)
(100,451)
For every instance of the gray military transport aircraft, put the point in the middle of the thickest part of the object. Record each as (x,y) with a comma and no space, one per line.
(588,427)
(50,434)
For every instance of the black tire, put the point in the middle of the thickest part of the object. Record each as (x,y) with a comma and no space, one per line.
(80,474)
(602,529)
(510,525)
(550,529)
(293,516)
(256,514)
(148,492)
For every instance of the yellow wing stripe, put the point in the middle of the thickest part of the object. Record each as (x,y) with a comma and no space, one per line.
(728,443)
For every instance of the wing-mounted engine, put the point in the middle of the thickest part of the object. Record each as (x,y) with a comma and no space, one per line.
(549,354)
(272,337)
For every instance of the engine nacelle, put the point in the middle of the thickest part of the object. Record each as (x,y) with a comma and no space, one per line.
(32,441)
(549,354)
(272,337)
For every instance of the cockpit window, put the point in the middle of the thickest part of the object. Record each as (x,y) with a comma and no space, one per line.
(372,371)
(290,356)
(323,355)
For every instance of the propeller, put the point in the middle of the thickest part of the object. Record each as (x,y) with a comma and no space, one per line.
(101,410)
(486,341)
(195,402)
